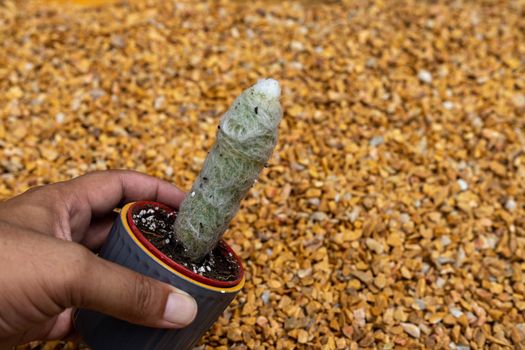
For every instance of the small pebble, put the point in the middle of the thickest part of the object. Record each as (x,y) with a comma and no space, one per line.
(463,185)
(455,312)
(359,316)
(411,329)
(519,100)
(404,218)
(265,296)
(118,41)
(97,93)
(448,105)
(445,240)
(29,66)
(471,317)
(297,46)
(462,347)
(375,245)
(425,76)
(460,257)
(421,305)
(376,141)
(319,216)
(510,204)
(477,123)
(159,103)
(354,214)
(60,118)
(168,171)
(314,201)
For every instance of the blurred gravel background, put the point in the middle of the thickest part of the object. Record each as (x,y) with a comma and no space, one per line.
(392,213)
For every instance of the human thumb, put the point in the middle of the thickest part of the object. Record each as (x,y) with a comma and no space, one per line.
(117,291)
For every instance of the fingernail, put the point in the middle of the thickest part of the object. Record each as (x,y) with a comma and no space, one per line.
(181,308)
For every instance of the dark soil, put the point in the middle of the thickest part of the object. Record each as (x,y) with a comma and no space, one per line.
(156,225)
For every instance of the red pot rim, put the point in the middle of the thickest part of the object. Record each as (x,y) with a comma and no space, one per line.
(180,268)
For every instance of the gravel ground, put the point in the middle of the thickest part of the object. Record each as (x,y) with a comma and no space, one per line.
(392,212)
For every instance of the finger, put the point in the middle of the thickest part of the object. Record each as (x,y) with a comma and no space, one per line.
(62,327)
(39,202)
(104,190)
(55,328)
(66,209)
(98,231)
(122,293)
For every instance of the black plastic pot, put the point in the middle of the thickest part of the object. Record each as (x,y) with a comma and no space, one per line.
(127,246)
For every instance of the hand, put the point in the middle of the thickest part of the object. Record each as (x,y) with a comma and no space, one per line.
(47,267)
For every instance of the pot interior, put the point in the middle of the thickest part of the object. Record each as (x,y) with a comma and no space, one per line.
(222,268)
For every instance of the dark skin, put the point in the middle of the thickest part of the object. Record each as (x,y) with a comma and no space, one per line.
(48,268)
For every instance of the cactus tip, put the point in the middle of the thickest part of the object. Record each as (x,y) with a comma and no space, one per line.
(268,87)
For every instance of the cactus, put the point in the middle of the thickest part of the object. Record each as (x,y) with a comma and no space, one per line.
(246,137)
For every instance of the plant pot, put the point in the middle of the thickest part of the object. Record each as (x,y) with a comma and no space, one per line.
(127,246)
